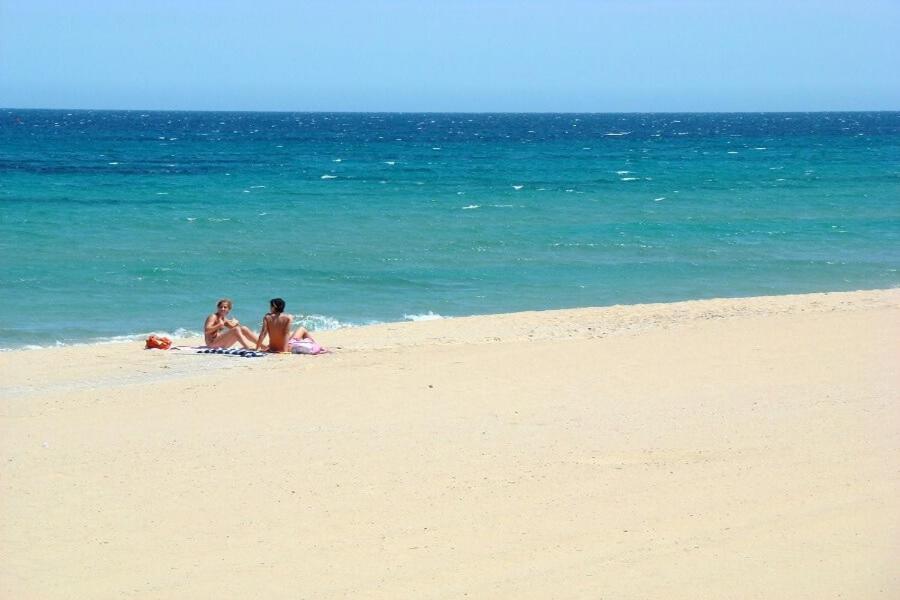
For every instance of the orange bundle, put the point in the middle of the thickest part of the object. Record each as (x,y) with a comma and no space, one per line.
(156,341)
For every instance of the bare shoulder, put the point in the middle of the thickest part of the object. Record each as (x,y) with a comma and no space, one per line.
(278,320)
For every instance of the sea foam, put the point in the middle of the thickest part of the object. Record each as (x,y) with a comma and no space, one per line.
(429,316)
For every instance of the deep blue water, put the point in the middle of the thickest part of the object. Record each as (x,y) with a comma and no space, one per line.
(121,223)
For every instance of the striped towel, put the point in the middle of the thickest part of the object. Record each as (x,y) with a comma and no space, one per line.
(232,352)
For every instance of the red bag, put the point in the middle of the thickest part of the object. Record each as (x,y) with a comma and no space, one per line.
(155,341)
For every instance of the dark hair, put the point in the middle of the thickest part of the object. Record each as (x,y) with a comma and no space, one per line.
(277,305)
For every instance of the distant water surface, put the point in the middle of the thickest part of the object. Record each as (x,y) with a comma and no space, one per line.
(120,223)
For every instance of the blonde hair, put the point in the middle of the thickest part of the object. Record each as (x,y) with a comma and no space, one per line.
(225,301)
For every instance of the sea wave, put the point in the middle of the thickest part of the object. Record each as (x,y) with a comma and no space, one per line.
(429,316)
(180,333)
(314,322)
(311,322)
(320,322)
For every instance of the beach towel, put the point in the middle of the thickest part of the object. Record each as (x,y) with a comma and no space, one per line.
(230,352)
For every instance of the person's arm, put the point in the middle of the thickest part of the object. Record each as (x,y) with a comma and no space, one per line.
(212,325)
(262,333)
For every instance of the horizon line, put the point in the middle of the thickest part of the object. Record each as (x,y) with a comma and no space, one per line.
(453,112)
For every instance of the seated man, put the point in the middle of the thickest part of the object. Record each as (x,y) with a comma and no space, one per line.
(221,332)
(277,325)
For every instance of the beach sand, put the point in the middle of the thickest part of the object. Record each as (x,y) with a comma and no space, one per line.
(738,448)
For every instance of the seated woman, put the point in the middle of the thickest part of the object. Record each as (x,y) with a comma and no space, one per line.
(276,326)
(222,332)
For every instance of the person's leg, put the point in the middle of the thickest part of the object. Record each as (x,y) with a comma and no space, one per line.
(300,333)
(246,337)
(226,339)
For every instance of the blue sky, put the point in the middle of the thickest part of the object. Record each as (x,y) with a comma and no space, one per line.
(488,55)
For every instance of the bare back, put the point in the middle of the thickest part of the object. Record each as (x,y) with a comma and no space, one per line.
(278,326)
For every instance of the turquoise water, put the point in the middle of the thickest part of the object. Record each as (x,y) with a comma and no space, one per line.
(121,223)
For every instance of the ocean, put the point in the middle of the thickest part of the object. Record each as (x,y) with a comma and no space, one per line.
(114,224)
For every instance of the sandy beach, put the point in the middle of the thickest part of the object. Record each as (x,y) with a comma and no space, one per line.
(736,448)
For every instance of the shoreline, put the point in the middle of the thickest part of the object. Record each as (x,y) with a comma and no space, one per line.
(80,366)
(645,451)
(196,338)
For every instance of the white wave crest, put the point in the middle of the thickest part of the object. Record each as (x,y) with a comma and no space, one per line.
(429,316)
(328,177)
(320,322)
